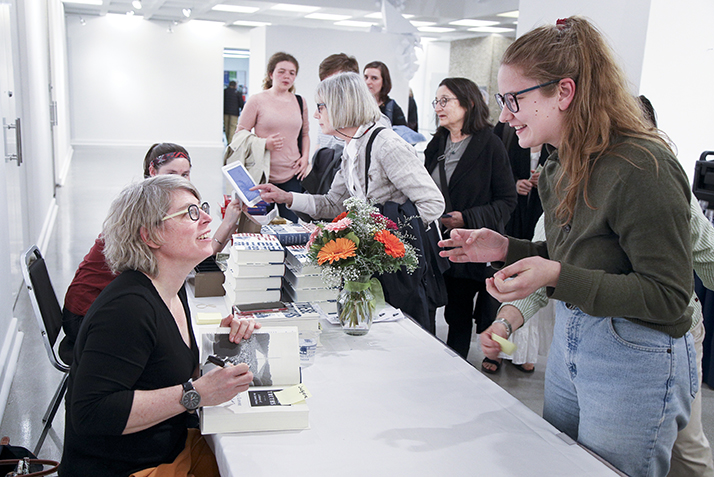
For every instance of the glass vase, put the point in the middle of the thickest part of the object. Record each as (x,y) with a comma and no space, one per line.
(356,306)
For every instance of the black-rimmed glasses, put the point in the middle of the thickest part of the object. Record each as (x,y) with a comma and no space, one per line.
(441,102)
(511,100)
(193,212)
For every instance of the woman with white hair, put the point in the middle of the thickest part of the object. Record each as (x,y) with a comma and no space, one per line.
(347,110)
(377,165)
(134,384)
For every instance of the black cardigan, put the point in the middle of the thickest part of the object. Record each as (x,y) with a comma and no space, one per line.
(481,188)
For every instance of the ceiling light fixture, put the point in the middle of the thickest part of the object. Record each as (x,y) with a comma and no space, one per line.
(511,14)
(85,2)
(235,8)
(490,29)
(328,16)
(468,22)
(354,23)
(136,4)
(249,23)
(287,7)
(431,29)
(418,23)
(186,12)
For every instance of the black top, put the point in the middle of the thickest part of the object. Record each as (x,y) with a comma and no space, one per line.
(128,341)
(529,209)
(232,101)
(397,115)
(481,188)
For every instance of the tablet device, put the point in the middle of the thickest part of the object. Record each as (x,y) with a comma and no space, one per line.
(241,180)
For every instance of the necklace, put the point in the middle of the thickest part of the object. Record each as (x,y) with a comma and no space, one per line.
(453,148)
(354,137)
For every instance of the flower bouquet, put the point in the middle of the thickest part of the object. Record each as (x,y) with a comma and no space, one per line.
(352,248)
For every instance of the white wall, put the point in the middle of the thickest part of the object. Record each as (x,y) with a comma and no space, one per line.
(133,83)
(60,89)
(34,110)
(310,46)
(667,50)
(678,74)
(433,68)
(624,24)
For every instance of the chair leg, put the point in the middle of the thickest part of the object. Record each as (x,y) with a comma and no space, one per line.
(51,411)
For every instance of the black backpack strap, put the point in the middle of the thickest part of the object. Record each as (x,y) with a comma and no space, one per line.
(368,158)
(299,100)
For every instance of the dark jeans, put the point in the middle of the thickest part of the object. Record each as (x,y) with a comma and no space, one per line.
(460,311)
(293,185)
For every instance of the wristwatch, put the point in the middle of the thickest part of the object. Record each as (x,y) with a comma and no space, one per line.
(191,400)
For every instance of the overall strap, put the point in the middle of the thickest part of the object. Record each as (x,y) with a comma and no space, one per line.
(368,158)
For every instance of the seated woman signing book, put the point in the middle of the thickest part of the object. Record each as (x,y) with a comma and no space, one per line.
(134,383)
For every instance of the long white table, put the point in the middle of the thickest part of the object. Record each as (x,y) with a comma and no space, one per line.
(398,402)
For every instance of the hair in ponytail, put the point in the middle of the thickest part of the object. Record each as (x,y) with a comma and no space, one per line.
(602,108)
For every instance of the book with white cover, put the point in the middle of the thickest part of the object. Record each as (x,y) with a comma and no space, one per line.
(310,294)
(296,257)
(256,248)
(237,282)
(257,269)
(240,297)
(301,314)
(273,357)
(300,280)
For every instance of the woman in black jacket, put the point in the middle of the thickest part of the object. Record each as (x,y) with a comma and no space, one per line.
(470,166)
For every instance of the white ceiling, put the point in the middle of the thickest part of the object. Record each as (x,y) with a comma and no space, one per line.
(438,12)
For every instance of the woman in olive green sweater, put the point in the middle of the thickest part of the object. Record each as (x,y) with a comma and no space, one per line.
(620,376)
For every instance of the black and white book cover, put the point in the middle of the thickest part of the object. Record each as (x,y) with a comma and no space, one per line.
(272,354)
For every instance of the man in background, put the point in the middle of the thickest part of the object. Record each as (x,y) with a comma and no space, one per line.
(232,106)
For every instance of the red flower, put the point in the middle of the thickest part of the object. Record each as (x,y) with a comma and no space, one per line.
(340,217)
(392,245)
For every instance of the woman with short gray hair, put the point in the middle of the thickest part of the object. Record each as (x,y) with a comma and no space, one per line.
(134,383)
(379,166)
(346,109)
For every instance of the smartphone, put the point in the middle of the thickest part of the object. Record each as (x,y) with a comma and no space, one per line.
(267,307)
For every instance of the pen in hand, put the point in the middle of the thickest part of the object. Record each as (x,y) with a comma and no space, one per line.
(218,361)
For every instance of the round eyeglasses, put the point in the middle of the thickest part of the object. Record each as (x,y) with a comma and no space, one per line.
(192,211)
(511,100)
(441,102)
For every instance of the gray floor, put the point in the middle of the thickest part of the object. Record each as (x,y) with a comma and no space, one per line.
(96,175)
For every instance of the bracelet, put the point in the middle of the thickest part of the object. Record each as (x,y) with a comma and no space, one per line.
(219,242)
(505,323)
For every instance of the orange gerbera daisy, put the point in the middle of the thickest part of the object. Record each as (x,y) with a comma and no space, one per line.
(335,250)
(392,245)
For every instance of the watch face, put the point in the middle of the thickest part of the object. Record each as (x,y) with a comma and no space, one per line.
(191,400)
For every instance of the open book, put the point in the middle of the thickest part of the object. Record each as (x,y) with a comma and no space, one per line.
(273,357)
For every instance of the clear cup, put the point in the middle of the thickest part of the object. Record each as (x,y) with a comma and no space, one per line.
(308,346)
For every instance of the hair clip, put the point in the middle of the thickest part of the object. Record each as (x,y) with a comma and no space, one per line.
(561,23)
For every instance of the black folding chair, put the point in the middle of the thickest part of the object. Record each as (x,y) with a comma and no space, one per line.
(49,318)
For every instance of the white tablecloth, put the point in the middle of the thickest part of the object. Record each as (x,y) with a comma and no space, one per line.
(397,402)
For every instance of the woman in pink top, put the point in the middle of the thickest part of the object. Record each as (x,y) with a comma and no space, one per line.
(275,114)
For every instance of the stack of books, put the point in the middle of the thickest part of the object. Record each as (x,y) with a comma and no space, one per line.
(255,269)
(303,281)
